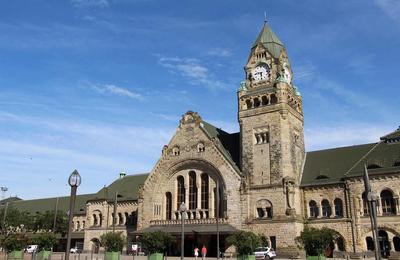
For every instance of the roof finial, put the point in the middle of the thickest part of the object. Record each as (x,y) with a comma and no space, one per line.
(265,17)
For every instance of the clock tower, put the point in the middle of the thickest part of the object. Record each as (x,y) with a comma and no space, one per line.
(271,123)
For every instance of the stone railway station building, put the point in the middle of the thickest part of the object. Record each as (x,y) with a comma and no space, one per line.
(264,179)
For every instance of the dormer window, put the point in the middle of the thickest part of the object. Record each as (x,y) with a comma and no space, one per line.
(175,151)
(200,147)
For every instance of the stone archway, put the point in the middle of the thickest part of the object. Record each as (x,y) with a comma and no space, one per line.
(95,245)
(384,243)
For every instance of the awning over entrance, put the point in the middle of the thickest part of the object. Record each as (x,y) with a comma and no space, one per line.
(190,228)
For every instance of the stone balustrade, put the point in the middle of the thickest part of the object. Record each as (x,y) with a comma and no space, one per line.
(188,221)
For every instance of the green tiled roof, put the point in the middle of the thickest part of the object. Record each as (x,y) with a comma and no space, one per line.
(383,155)
(270,41)
(330,166)
(334,165)
(392,137)
(10,199)
(230,142)
(127,188)
(49,204)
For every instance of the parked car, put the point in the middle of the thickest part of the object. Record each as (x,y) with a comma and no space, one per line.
(75,250)
(31,249)
(134,249)
(265,253)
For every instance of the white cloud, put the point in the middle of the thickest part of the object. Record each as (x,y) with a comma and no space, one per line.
(220,52)
(391,8)
(90,3)
(304,72)
(323,137)
(115,90)
(193,70)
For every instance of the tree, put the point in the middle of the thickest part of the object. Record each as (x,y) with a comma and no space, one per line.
(45,241)
(113,242)
(156,242)
(245,242)
(14,242)
(316,241)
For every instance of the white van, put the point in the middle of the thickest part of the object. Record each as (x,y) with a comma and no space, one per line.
(31,249)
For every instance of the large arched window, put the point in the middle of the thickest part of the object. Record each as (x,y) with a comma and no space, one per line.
(181,191)
(388,203)
(192,190)
(338,208)
(365,204)
(314,212)
(326,208)
(168,208)
(95,221)
(204,191)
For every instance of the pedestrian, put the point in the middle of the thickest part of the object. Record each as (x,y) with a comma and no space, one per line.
(196,252)
(203,252)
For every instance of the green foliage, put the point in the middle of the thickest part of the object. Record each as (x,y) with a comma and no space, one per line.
(245,242)
(316,241)
(113,242)
(21,221)
(264,241)
(156,242)
(45,241)
(14,242)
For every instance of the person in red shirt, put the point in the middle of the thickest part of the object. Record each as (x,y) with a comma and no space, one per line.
(204,252)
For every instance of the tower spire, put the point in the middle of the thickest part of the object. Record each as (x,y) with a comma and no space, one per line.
(265,17)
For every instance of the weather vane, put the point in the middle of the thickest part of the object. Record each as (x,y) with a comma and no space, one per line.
(265,17)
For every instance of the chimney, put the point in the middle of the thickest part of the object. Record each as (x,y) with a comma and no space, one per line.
(122,175)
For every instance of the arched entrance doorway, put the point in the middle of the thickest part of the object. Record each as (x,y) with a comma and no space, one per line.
(95,245)
(384,243)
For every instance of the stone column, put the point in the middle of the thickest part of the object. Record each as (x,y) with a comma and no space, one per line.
(396,202)
(211,205)
(198,184)
(379,206)
(187,191)
(319,210)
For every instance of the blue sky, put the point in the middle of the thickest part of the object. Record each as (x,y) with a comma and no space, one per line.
(100,85)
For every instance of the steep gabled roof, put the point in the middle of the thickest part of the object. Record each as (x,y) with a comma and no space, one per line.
(335,165)
(270,41)
(49,204)
(230,142)
(330,165)
(10,199)
(384,157)
(127,188)
(392,137)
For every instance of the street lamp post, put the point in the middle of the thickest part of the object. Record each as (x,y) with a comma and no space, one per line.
(74,181)
(182,209)
(371,203)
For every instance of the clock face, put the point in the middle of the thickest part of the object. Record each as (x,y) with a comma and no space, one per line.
(261,72)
